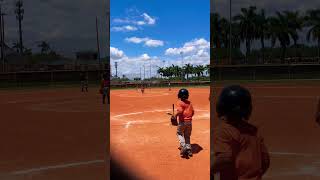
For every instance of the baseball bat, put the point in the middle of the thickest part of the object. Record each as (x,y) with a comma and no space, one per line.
(172,109)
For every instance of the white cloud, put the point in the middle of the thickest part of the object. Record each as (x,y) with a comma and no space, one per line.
(147,41)
(136,20)
(189,48)
(154,43)
(131,66)
(195,52)
(124,28)
(145,57)
(149,20)
(116,54)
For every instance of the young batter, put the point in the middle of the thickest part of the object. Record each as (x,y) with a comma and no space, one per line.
(239,152)
(104,89)
(184,114)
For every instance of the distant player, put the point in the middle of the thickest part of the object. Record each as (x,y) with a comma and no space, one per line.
(169,85)
(104,88)
(239,151)
(318,112)
(142,89)
(184,114)
(84,81)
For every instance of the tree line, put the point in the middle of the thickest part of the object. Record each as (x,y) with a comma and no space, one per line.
(178,72)
(284,28)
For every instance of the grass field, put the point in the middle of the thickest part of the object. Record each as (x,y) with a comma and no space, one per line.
(53,133)
(144,140)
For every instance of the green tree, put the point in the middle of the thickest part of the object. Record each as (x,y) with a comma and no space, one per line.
(280,31)
(313,23)
(246,20)
(262,30)
(188,69)
(45,47)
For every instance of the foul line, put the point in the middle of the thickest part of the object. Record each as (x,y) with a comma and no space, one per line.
(151,111)
(61,166)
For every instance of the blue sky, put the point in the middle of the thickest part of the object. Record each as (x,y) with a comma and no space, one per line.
(144,31)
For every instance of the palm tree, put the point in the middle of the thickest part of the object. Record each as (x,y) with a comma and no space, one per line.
(280,31)
(262,27)
(295,23)
(45,48)
(16,46)
(188,68)
(199,69)
(246,20)
(160,71)
(313,22)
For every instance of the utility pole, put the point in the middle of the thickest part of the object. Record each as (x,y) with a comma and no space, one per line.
(144,72)
(230,36)
(140,74)
(19,15)
(150,69)
(1,39)
(116,65)
(98,44)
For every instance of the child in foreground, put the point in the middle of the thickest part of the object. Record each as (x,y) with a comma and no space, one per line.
(239,152)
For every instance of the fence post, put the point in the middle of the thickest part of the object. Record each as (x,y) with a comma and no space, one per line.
(289,73)
(51,78)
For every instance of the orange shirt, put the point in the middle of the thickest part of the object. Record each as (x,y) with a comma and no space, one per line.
(245,146)
(185,109)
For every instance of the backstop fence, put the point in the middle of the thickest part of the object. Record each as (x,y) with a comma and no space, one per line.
(266,72)
(35,78)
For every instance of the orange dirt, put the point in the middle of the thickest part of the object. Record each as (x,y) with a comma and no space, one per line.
(143,139)
(284,114)
(52,134)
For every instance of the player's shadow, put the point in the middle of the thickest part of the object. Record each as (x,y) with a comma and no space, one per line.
(196,148)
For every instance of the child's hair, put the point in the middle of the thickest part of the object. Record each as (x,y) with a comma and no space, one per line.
(234,103)
(183,94)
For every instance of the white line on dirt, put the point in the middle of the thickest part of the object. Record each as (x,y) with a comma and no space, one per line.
(294,154)
(60,166)
(135,122)
(151,111)
(287,97)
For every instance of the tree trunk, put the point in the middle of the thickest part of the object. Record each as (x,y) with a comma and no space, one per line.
(262,48)
(248,49)
(20,34)
(283,53)
(318,48)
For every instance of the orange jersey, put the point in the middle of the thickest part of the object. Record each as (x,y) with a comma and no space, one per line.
(245,146)
(185,110)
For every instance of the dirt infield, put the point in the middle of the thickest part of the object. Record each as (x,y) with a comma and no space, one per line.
(52,134)
(284,114)
(143,139)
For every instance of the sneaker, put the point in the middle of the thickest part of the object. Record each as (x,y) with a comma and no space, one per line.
(190,153)
(182,152)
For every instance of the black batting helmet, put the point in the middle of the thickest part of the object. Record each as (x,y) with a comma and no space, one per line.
(234,102)
(183,94)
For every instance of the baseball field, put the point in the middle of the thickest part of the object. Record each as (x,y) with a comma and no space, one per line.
(52,134)
(284,113)
(143,139)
